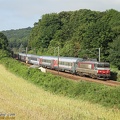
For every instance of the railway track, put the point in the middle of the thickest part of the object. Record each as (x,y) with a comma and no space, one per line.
(79,78)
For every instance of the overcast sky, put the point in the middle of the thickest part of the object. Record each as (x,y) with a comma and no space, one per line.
(16,14)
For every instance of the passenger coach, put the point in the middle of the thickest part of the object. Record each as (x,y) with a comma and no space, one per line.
(29,58)
(93,69)
(62,63)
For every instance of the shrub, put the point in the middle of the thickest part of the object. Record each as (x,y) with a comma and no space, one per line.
(94,92)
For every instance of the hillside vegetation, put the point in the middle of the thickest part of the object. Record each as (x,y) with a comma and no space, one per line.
(4,52)
(29,102)
(17,39)
(94,92)
(78,33)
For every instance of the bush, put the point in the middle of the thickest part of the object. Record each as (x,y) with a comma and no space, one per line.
(3,53)
(97,93)
(115,73)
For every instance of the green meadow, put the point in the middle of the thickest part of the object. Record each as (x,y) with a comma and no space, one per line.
(29,102)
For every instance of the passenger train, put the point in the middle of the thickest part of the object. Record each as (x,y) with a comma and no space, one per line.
(78,66)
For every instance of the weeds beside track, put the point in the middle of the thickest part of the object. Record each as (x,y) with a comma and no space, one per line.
(94,92)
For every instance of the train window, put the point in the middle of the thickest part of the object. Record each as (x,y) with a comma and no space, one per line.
(47,61)
(65,63)
(103,65)
(32,58)
(86,66)
(106,65)
(95,66)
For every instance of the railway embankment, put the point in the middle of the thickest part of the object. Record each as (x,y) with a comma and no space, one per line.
(115,74)
(93,92)
(25,101)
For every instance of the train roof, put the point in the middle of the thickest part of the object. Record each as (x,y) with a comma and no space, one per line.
(23,54)
(29,55)
(36,56)
(70,59)
(64,59)
(96,62)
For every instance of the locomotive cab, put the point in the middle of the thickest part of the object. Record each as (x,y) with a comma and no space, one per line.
(103,70)
(94,69)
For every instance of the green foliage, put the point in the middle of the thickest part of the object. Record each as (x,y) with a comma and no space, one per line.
(115,52)
(3,42)
(4,53)
(115,73)
(16,38)
(44,31)
(77,33)
(98,34)
(96,93)
(3,46)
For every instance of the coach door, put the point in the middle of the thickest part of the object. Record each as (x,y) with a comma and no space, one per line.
(73,67)
(52,64)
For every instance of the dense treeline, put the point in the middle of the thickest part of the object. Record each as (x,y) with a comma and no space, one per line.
(78,33)
(3,41)
(17,39)
(3,46)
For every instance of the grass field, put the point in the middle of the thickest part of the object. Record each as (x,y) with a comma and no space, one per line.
(28,102)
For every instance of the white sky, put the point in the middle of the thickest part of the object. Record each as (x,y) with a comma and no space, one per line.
(16,14)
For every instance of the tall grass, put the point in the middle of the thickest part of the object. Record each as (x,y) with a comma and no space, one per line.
(115,73)
(94,92)
(29,102)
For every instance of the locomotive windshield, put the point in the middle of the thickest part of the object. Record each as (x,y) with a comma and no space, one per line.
(103,65)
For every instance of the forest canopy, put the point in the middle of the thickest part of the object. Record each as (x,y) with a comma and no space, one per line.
(3,46)
(17,38)
(78,33)
(3,41)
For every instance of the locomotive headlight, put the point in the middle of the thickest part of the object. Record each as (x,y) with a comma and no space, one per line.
(108,71)
(99,71)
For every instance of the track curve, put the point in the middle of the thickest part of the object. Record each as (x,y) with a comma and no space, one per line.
(79,78)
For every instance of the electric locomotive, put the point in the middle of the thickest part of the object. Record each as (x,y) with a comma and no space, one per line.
(94,69)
